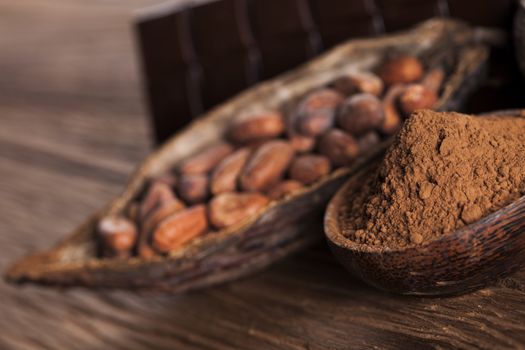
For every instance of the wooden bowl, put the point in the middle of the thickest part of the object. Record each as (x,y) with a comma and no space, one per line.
(284,226)
(467,259)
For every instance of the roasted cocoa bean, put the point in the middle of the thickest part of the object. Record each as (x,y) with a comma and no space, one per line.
(416,96)
(230,208)
(206,159)
(301,143)
(151,222)
(340,147)
(368,141)
(308,168)
(193,188)
(358,82)
(226,175)
(315,113)
(253,127)
(266,166)
(402,69)
(284,188)
(118,234)
(157,193)
(179,228)
(360,113)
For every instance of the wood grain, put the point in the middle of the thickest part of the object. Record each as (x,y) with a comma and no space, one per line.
(72,130)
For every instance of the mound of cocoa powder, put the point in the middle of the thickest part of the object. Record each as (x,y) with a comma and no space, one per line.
(444,171)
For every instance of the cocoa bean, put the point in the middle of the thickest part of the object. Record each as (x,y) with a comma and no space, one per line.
(117,233)
(360,113)
(193,188)
(266,166)
(230,208)
(340,147)
(179,228)
(253,127)
(226,175)
(402,69)
(308,168)
(284,188)
(206,159)
(358,82)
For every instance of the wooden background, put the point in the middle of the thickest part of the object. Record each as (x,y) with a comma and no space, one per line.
(72,128)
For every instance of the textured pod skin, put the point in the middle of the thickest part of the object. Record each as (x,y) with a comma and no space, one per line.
(285,226)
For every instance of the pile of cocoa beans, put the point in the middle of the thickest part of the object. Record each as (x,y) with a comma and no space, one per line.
(267,156)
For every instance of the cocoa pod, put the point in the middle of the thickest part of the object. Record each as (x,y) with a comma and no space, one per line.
(284,188)
(193,188)
(118,234)
(253,127)
(206,159)
(358,82)
(315,113)
(360,113)
(230,208)
(179,228)
(266,166)
(416,96)
(226,174)
(308,168)
(402,69)
(341,148)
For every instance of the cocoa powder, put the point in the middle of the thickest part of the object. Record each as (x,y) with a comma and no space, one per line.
(444,171)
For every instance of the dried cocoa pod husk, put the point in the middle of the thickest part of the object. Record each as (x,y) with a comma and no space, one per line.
(226,175)
(282,227)
(266,166)
(231,208)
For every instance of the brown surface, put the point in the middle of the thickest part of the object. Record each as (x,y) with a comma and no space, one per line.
(72,130)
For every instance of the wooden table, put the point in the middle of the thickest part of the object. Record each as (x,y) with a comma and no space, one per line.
(72,129)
